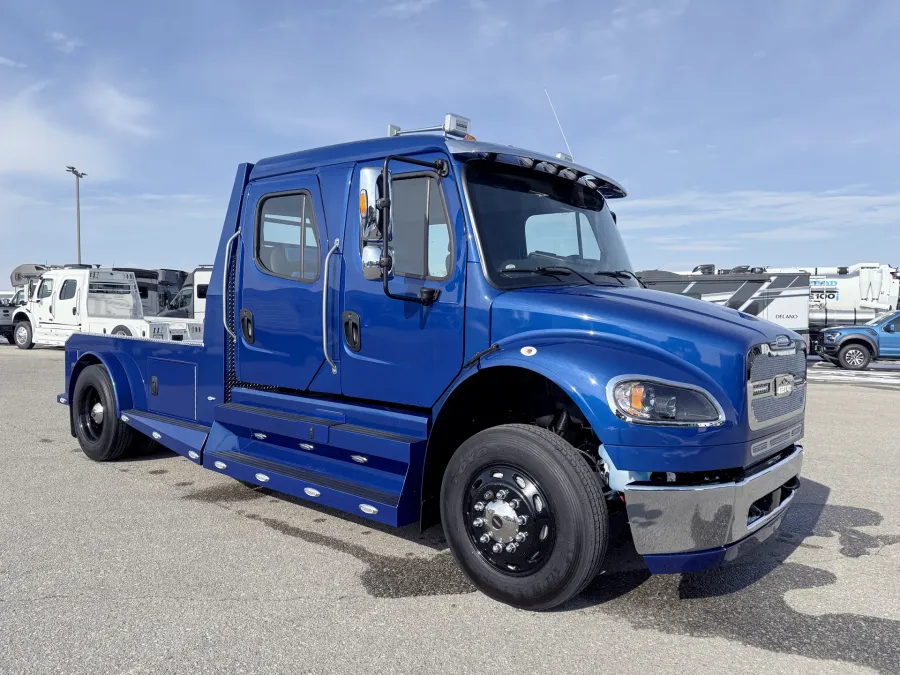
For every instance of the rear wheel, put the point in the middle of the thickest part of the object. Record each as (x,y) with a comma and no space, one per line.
(103,437)
(855,357)
(23,335)
(524,516)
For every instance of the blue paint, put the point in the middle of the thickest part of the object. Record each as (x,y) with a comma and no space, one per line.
(881,336)
(359,436)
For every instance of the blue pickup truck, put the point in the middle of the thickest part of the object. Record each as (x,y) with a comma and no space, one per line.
(426,327)
(855,347)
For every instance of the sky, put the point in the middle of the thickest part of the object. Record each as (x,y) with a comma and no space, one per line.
(761,133)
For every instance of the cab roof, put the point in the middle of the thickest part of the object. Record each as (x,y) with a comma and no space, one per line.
(462,150)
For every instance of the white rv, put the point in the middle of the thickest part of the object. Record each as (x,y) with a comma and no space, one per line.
(104,301)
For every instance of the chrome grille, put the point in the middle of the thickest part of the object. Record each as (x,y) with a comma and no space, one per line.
(784,369)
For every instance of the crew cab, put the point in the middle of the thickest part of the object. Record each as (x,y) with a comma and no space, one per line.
(855,347)
(430,328)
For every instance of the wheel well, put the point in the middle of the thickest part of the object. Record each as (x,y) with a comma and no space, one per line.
(19,317)
(861,342)
(491,397)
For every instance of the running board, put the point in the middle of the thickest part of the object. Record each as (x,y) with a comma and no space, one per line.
(371,472)
(185,438)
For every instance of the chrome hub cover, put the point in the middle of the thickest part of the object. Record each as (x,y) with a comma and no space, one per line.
(97,413)
(501,521)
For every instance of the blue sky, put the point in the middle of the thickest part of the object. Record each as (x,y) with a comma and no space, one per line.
(759,132)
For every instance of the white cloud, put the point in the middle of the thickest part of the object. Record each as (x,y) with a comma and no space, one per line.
(9,63)
(65,43)
(34,142)
(407,8)
(118,110)
(812,211)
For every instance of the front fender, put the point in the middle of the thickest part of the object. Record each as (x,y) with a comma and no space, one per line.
(22,314)
(861,337)
(583,364)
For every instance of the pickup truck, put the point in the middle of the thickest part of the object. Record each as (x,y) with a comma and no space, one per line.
(426,327)
(855,347)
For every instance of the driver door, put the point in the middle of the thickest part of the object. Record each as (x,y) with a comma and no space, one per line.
(65,304)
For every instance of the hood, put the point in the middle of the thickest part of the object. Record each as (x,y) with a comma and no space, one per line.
(706,335)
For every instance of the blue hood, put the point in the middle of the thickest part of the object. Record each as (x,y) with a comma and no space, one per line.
(714,340)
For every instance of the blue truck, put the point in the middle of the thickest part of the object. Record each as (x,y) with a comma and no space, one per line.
(426,327)
(855,347)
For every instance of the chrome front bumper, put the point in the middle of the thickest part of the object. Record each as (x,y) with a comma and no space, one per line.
(683,519)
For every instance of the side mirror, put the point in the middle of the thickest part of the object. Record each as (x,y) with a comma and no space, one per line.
(889,328)
(371,261)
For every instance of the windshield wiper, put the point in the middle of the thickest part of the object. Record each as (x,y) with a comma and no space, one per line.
(620,274)
(550,270)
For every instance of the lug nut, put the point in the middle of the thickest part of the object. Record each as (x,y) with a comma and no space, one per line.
(522,520)
(515,503)
(479,506)
(497,548)
(511,548)
(488,495)
(478,522)
(501,494)
(520,537)
(485,538)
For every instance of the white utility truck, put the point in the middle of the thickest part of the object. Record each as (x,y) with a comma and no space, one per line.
(190,302)
(81,300)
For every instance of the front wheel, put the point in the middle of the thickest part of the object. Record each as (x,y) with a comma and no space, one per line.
(103,437)
(524,516)
(855,357)
(23,335)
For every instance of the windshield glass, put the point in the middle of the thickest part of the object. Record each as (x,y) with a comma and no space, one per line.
(529,220)
(878,319)
(113,300)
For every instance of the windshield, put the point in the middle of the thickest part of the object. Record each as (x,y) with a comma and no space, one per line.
(113,300)
(528,220)
(878,319)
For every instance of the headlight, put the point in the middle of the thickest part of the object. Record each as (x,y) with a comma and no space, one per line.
(831,337)
(648,401)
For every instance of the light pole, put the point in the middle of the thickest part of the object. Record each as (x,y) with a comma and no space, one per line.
(78,176)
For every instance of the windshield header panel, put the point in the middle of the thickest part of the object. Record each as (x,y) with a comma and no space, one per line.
(538,229)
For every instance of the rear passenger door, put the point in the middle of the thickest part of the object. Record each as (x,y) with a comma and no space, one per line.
(279,297)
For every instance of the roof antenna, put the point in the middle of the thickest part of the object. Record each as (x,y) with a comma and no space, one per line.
(559,125)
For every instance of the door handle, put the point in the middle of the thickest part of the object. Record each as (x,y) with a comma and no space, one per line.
(337,243)
(351,331)
(247,326)
(225,275)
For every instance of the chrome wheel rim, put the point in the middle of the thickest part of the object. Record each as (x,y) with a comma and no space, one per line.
(509,519)
(854,357)
(21,335)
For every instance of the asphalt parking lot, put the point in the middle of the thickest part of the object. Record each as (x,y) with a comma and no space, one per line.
(152,565)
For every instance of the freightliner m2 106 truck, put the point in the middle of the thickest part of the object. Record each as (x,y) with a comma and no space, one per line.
(430,328)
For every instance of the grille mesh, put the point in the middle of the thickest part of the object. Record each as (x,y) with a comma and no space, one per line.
(767,367)
(776,406)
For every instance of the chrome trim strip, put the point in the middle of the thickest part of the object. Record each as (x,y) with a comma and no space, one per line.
(611,402)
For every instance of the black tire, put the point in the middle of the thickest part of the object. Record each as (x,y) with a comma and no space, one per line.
(8,336)
(24,336)
(122,331)
(855,357)
(108,439)
(574,505)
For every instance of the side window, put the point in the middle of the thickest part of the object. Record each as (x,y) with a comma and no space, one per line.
(46,289)
(895,324)
(67,291)
(287,244)
(420,234)
(187,297)
(201,290)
